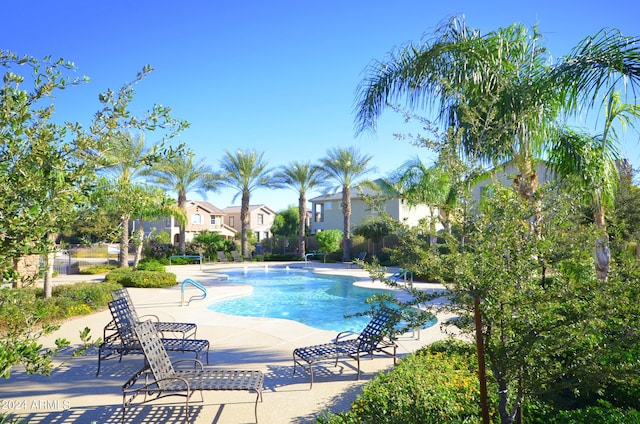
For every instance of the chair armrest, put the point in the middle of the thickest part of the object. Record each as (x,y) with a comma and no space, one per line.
(145,317)
(343,334)
(198,363)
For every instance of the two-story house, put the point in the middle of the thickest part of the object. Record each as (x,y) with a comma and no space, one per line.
(261,219)
(201,216)
(327,210)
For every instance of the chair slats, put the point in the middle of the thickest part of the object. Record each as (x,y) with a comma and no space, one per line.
(372,339)
(168,381)
(120,339)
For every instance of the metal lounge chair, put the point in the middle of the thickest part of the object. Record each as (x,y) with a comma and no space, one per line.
(187,329)
(236,256)
(221,256)
(372,339)
(120,339)
(162,379)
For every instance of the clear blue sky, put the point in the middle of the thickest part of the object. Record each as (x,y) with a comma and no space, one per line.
(275,76)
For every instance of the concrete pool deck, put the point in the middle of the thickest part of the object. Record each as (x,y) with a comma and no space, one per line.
(73,394)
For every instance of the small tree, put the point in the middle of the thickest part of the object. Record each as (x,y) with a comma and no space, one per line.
(286,222)
(373,228)
(329,240)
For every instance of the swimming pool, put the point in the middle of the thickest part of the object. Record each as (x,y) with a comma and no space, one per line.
(319,301)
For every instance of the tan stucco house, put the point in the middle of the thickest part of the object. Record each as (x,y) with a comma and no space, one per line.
(261,219)
(201,216)
(327,210)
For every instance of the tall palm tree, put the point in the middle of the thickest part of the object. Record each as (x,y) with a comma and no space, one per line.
(124,163)
(244,171)
(432,186)
(500,88)
(343,169)
(155,205)
(301,177)
(593,159)
(183,175)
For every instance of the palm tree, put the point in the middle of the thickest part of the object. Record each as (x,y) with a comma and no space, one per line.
(302,177)
(502,92)
(432,186)
(343,169)
(124,163)
(593,159)
(499,88)
(183,175)
(244,171)
(155,205)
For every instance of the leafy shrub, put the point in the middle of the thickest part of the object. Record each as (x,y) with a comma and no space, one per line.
(280,257)
(150,264)
(437,384)
(329,240)
(25,316)
(602,413)
(97,269)
(149,279)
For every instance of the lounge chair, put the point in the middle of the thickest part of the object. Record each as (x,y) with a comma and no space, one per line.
(187,329)
(236,257)
(119,337)
(358,261)
(221,256)
(372,339)
(162,379)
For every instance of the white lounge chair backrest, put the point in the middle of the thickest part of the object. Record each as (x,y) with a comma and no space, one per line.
(155,353)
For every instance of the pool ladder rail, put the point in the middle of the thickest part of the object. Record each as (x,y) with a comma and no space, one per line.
(404,274)
(195,284)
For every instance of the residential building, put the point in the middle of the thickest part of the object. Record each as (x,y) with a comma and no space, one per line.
(327,210)
(261,219)
(201,216)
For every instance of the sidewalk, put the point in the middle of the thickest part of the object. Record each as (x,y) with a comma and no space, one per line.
(73,394)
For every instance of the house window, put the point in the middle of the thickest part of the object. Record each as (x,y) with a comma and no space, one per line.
(318,213)
(196,218)
(232,221)
(213,220)
(260,219)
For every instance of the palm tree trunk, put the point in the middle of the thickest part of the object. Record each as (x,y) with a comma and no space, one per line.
(602,252)
(139,240)
(244,219)
(49,259)
(302,216)
(123,256)
(346,211)
(182,243)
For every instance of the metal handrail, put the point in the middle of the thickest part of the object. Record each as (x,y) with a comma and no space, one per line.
(196,285)
(402,273)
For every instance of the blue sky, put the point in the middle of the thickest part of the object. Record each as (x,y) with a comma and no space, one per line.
(275,76)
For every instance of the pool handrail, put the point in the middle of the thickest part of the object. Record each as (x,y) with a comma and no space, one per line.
(402,273)
(196,285)
(308,255)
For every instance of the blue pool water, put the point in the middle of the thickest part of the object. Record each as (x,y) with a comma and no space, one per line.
(319,301)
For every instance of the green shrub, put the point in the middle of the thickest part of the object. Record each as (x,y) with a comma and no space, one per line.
(437,384)
(280,257)
(603,413)
(97,269)
(149,279)
(150,264)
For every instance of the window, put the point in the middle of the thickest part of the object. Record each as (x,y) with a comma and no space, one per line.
(232,221)
(318,213)
(213,220)
(260,219)
(196,219)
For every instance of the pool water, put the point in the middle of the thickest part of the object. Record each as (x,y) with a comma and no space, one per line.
(319,301)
